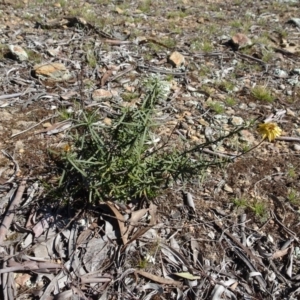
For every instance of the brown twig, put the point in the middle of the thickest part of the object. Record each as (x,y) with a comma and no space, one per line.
(288,139)
(10,214)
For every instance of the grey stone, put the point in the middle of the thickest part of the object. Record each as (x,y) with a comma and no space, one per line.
(18,52)
(243,106)
(280,73)
(252,105)
(296,147)
(236,121)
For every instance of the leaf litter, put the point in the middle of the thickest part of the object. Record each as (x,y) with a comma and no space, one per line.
(182,247)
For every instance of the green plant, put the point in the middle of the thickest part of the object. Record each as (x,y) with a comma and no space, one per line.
(144,6)
(240,202)
(3,50)
(206,46)
(259,209)
(127,97)
(204,71)
(176,14)
(236,24)
(143,263)
(169,42)
(216,106)
(230,101)
(122,161)
(293,197)
(196,45)
(91,58)
(65,114)
(226,85)
(261,93)
(291,172)
(34,56)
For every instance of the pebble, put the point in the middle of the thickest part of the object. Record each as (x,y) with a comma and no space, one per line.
(246,136)
(189,120)
(107,121)
(53,52)
(243,106)
(298,131)
(280,73)
(18,52)
(102,94)
(289,112)
(5,115)
(228,188)
(176,59)
(240,40)
(230,111)
(282,86)
(296,72)
(19,146)
(296,147)
(236,121)
(221,118)
(252,105)
(184,125)
(54,71)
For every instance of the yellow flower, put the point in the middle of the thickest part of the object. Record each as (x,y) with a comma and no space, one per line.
(269,130)
(67,148)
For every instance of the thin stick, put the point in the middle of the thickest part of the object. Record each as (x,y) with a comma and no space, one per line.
(33,126)
(17,168)
(288,139)
(10,214)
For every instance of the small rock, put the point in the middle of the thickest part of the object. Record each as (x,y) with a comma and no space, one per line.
(243,106)
(203,122)
(53,52)
(296,147)
(176,59)
(289,112)
(53,71)
(19,146)
(18,52)
(236,121)
(194,138)
(102,94)
(5,115)
(247,137)
(240,41)
(184,125)
(221,118)
(252,105)
(282,87)
(15,131)
(227,188)
(298,131)
(296,21)
(229,111)
(295,72)
(46,125)
(280,73)
(107,121)
(119,10)
(293,81)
